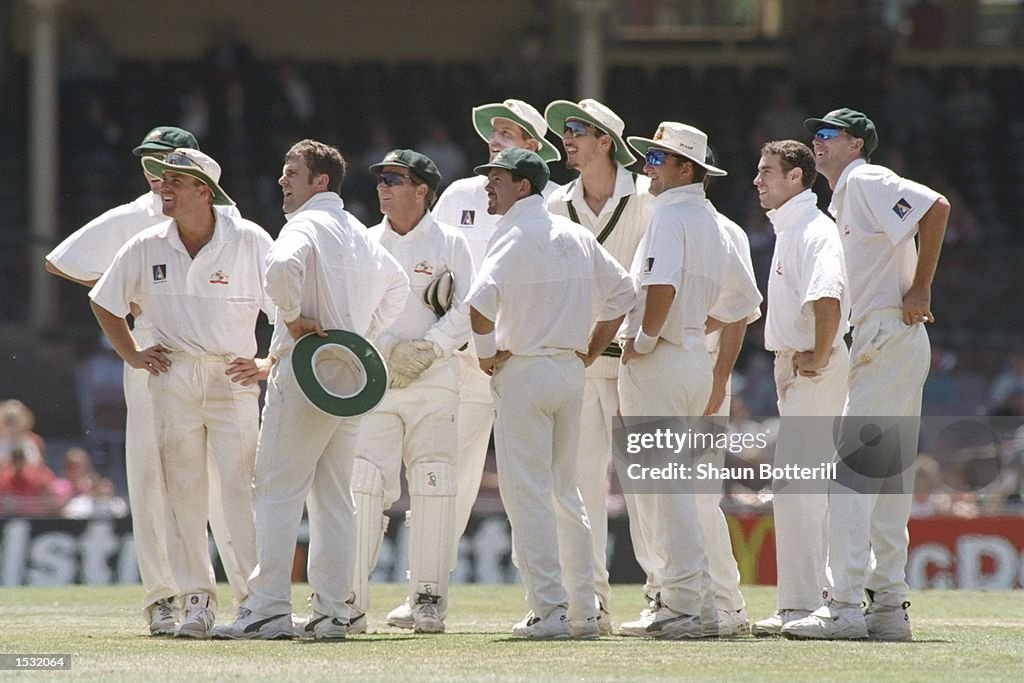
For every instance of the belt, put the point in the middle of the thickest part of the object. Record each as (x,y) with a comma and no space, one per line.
(881,314)
(614,350)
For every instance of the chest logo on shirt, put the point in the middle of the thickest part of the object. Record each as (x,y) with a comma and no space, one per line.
(649,264)
(778,269)
(219,277)
(160,272)
(902,208)
(846,230)
(468,217)
(423,268)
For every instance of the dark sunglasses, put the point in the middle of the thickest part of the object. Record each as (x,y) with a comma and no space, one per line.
(577,129)
(656,157)
(826,133)
(391,178)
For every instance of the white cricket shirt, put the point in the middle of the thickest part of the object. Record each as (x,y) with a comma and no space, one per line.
(807,265)
(202,306)
(424,252)
(877,212)
(545,281)
(324,266)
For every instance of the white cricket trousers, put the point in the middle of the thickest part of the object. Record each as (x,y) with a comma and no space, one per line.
(147,491)
(600,406)
(537,401)
(889,363)
(801,517)
(476,416)
(669,381)
(201,416)
(304,456)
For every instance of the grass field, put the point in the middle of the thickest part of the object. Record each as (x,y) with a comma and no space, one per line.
(971,635)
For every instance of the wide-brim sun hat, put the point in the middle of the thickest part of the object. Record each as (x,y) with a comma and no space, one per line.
(681,139)
(341,374)
(190,162)
(523,115)
(596,114)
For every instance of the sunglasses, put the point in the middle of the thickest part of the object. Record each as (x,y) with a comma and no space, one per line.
(656,157)
(577,129)
(826,133)
(392,179)
(179,159)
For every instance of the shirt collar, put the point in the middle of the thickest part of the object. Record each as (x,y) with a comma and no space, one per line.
(222,231)
(532,203)
(841,183)
(423,229)
(624,185)
(687,194)
(318,201)
(785,215)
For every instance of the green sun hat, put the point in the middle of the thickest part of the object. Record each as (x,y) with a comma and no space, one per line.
(597,115)
(525,116)
(341,374)
(194,163)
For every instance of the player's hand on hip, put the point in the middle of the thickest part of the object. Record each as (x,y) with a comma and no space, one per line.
(917,306)
(302,326)
(248,371)
(154,359)
(628,352)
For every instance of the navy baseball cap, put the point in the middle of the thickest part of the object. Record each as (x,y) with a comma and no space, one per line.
(166,139)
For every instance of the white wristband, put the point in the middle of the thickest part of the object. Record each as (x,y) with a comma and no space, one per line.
(644,343)
(486,344)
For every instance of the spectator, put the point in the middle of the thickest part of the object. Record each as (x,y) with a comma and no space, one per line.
(16,423)
(26,489)
(448,156)
(78,476)
(782,119)
(102,503)
(1008,382)
(928,26)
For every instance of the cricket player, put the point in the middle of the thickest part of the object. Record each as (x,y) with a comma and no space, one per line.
(199,279)
(610,202)
(808,308)
(878,215)
(543,284)
(679,267)
(323,272)
(512,123)
(416,422)
(83,257)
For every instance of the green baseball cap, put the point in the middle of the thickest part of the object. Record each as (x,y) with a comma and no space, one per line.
(420,164)
(854,122)
(166,139)
(521,162)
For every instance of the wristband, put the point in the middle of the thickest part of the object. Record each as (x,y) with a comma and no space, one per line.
(486,344)
(644,343)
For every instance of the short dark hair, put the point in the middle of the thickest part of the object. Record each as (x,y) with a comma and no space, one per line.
(321,159)
(517,178)
(793,154)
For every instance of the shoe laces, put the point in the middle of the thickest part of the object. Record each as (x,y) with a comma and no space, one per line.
(164,610)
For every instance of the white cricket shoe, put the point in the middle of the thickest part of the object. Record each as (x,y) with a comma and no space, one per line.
(833,621)
(667,624)
(733,623)
(888,623)
(198,618)
(638,628)
(401,616)
(162,618)
(554,626)
(772,626)
(427,618)
(322,627)
(249,625)
(357,624)
(585,629)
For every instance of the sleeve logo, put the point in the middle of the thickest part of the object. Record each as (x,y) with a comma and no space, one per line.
(649,264)
(902,208)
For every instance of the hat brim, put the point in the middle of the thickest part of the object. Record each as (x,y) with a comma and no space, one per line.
(152,146)
(559,111)
(375,374)
(156,167)
(641,145)
(484,169)
(483,115)
(430,182)
(814,124)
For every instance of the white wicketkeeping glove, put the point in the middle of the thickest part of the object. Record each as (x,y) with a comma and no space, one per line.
(412,357)
(399,381)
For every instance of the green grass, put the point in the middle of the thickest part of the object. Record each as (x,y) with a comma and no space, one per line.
(972,635)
